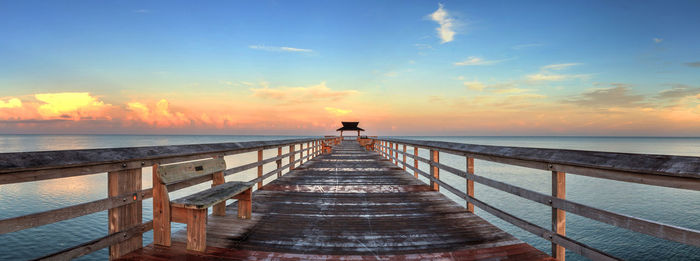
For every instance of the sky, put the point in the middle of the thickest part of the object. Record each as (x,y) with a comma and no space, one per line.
(599,68)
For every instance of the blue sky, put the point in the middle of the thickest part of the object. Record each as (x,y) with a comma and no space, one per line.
(121,51)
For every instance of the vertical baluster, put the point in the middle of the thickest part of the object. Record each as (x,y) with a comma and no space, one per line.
(396,154)
(558,215)
(434,170)
(415,161)
(404,157)
(124,217)
(291,157)
(279,162)
(470,183)
(260,169)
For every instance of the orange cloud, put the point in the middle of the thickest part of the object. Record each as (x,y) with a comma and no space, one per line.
(70,105)
(159,115)
(302,94)
(11,103)
(336,111)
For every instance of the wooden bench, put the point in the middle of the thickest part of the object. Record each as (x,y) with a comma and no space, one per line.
(327,147)
(192,209)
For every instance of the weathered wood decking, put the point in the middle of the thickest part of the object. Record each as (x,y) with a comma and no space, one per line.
(349,205)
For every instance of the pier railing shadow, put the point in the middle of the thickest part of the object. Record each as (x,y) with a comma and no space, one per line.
(125,194)
(680,172)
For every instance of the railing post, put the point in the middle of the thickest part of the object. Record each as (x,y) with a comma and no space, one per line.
(396,154)
(404,157)
(558,215)
(434,170)
(218,179)
(470,184)
(161,211)
(124,217)
(279,162)
(260,169)
(291,157)
(301,153)
(415,161)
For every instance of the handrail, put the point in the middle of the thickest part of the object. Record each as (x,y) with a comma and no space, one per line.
(120,164)
(674,170)
(39,165)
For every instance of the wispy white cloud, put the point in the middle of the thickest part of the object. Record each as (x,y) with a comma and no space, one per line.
(658,40)
(279,49)
(472,60)
(423,46)
(446,30)
(546,73)
(525,46)
(559,66)
(141,11)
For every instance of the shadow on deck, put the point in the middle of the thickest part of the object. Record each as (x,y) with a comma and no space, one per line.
(349,205)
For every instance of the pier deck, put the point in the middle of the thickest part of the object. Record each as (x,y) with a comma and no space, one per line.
(351,205)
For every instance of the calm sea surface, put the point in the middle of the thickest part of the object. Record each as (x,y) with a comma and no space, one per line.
(670,206)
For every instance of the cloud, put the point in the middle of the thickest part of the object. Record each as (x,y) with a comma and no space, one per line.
(546,73)
(559,66)
(617,96)
(70,105)
(658,40)
(11,103)
(472,61)
(475,85)
(693,64)
(445,31)
(391,74)
(302,94)
(679,91)
(423,46)
(280,49)
(141,11)
(159,114)
(525,46)
(336,111)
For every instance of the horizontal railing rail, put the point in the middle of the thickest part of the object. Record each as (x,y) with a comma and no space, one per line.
(681,172)
(121,164)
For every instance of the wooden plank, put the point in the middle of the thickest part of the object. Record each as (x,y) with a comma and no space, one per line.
(207,198)
(415,161)
(100,243)
(260,168)
(291,157)
(470,183)
(219,209)
(568,243)
(434,170)
(558,215)
(642,164)
(404,157)
(161,211)
(127,216)
(179,215)
(279,162)
(55,215)
(197,229)
(33,166)
(170,174)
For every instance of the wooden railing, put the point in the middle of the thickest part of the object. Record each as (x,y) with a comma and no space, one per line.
(680,172)
(125,195)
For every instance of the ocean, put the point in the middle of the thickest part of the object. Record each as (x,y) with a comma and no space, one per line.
(670,206)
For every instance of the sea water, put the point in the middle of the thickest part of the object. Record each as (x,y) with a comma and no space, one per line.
(665,205)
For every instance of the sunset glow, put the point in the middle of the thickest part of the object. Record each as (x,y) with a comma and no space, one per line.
(421,68)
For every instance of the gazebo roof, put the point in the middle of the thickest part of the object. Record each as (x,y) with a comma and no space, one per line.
(350,126)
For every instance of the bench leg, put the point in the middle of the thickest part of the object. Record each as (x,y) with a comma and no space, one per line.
(197,230)
(245,204)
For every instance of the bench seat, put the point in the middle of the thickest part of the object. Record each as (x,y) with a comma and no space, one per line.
(207,198)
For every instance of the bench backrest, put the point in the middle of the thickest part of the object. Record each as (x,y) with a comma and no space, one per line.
(174,173)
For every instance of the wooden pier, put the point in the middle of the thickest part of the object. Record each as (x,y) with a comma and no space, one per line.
(334,199)
(350,203)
